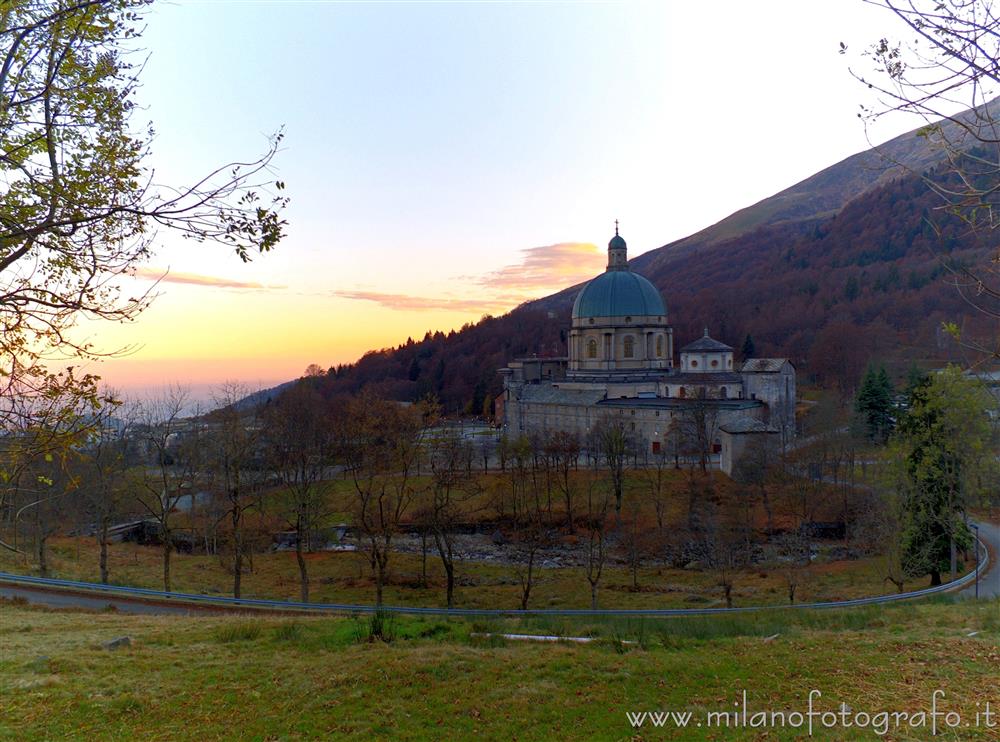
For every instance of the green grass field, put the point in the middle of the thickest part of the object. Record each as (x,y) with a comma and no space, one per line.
(275,678)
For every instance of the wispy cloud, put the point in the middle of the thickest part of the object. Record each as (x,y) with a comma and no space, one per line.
(195,279)
(548,268)
(542,270)
(407,302)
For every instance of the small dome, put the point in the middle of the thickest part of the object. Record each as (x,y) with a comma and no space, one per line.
(619,294)
(617,242)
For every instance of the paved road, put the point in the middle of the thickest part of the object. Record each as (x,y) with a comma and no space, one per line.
(989,581)
(63,599)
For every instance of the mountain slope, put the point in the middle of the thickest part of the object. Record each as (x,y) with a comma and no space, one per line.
(821,273)
(823,194)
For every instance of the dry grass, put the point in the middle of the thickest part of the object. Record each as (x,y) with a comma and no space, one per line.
(212,677)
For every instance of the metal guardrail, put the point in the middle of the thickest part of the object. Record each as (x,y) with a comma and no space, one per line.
(176,599)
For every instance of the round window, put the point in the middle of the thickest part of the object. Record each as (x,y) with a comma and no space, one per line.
(694,364)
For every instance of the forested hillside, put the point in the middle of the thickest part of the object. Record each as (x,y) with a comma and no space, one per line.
(829,293)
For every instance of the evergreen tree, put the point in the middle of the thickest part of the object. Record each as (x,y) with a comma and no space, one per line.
(914,378)
(943,450)
(748,350)
(886,394)
(874,404)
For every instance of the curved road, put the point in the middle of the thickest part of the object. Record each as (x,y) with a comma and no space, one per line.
(68,599)
(989,581)
(55,597)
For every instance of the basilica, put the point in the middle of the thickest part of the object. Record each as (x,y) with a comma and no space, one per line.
(621,365)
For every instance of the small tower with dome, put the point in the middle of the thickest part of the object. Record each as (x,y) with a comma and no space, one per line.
(619,322)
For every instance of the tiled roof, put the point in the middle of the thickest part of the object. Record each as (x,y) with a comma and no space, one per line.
(705,343)
(763,365)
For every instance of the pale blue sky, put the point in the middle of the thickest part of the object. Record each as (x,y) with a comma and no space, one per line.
(429,144)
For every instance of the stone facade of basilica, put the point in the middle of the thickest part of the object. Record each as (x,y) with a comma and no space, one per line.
(621,366)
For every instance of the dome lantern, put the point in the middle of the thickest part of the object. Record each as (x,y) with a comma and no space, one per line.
(617,252)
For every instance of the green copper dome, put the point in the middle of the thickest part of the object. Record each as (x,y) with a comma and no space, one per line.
(618,293)
(617,242)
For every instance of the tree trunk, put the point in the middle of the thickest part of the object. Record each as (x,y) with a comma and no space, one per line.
(237,551)
(526,584)
(43,564)
(103,537)
(303,570)
(449,569)
(729,595)
(379,581)
(593,596)
(423,558)
(767,509)
(237,572)
(166,561)
(954,560)
(935,577)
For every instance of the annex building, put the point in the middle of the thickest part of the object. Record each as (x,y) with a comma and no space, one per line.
(621,364)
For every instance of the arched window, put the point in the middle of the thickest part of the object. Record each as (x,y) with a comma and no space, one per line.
(683,392)
(629,346)
(659,346)
(724,393)
(592,348)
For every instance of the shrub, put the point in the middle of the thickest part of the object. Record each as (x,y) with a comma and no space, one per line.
(379,626)
(245,631)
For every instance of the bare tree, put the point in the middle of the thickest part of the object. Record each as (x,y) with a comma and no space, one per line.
(531,532)
(656,476)
(298,439)
(598,502)
(234,445)
(563,449)
(381,445)
(637,544)
(108,457)
(531,536)
(158,483)
(450,495)
(755,470)
(720,541)
(794,550)
(698,422)
(612,443)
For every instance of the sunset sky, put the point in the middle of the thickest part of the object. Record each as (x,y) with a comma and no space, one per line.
(447,160)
